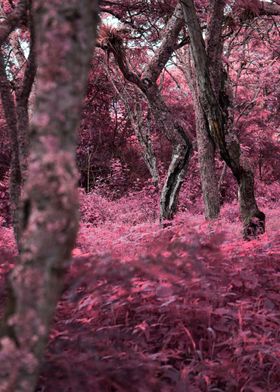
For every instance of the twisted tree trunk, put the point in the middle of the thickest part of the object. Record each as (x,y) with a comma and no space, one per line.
(142,129)
(181,151)
(170,128)
(64,36)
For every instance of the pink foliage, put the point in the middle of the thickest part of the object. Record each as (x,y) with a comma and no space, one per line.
(189,307)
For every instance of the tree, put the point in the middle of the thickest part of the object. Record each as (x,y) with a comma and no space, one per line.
(16,110)
(213,98)
(206,148)
(110,40)
(63,46)
(252,63)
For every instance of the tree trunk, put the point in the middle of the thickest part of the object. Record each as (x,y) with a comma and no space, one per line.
(22,101)
(142,131)
(253,218)
(64,35)
(206,148)
(15,170)
(206,159)
(181,151)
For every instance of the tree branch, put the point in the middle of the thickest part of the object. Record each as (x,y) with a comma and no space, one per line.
(163,53)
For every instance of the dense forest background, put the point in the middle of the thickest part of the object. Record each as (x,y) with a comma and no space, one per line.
(139,188)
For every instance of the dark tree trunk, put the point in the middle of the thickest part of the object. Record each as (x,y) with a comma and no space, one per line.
(64,35)
(217,118)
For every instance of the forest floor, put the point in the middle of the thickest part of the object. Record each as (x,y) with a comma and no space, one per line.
(191,307)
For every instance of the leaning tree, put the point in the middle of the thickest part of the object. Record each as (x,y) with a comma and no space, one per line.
(146,81)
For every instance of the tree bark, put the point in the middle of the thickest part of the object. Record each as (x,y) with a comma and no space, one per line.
(206,159)
(64,35)
(142,131)
(205,146)
(212,102)
(22,105)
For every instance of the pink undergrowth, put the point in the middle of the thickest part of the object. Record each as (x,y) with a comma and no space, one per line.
(188,307)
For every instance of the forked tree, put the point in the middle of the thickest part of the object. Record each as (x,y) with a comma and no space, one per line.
(212,93)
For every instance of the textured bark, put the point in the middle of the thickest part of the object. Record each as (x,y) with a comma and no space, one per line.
(223,174)
(206,159)
(22,100)
(154,68)
(64,35)
(205,146)
(11,119)
(212,102)
(169,127)
(142,131)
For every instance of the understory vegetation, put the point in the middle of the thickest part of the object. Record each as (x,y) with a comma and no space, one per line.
(139,196)
(144,308)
